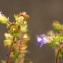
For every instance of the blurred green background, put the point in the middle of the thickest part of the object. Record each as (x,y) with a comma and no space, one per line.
(42,13)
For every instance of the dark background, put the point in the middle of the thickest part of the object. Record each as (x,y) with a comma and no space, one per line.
(42,13)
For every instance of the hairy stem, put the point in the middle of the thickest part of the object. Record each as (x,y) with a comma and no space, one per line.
(9,51)
(57,60)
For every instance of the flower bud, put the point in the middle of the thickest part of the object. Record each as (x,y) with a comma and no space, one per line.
(7,42)
(57,25)
(14,29)
(3,19)
(8,36)
(19,20)
(24,28)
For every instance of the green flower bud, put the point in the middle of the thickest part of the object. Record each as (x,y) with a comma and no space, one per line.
(3,19)
(25,36)
(57,25)
(14,29)
(7,42)
(8,36)
(24,15)
(19,20)
(24,28)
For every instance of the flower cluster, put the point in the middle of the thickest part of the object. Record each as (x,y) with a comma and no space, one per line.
(16,38)
(54,39)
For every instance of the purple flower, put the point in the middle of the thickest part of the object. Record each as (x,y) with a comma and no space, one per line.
(6,55)
(42,39)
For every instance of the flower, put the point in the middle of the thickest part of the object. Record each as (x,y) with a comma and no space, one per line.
(42,39)
(6,55)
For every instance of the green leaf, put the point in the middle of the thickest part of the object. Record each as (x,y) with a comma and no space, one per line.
(60,54)
(14,55)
